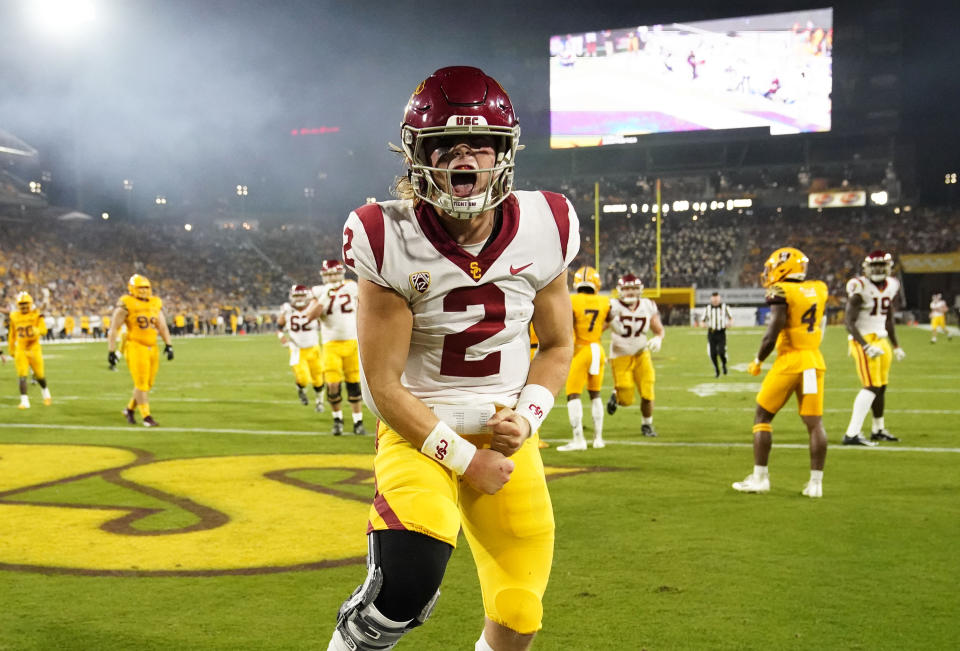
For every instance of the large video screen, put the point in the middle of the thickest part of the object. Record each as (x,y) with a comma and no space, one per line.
(611,86)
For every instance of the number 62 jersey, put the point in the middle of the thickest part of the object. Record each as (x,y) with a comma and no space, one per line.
(471,306)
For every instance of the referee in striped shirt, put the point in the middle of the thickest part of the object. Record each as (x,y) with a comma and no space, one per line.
(717,317)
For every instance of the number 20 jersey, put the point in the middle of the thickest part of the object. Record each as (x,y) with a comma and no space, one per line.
(471,313)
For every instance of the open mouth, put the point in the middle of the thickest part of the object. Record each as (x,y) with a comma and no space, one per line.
(463,182)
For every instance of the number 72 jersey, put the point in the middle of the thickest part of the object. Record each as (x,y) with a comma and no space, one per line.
(800,338)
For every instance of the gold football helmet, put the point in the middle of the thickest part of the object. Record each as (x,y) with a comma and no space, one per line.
(24,302)
(782,264)
(139,287)
(586,277)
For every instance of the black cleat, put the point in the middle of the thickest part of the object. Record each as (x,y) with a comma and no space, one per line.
(612,404)
(359,429)
(857,439)
(724,369)
(303,396)
(149,422)
(130,415)
(337,427)
(883,435)
(647,430)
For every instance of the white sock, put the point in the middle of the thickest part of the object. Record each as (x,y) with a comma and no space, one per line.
(45,392)
(596,410)
(816,476)
(760,472)
(482,644)
(646,420)
(877,424)
(358,417)
(338,414)
(575,413)
(24,400)
(861,405)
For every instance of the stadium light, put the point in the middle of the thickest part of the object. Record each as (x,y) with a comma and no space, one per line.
(950,178)
(160,200)
(127,184)
(633,208)
(36,187)
(62,18)
(242,191)
(680,206)
(879,198)
(644,208)
(615,207)
(742,203)
(371,200)
(188,227)
(104,215)
(729,204)
(665,208)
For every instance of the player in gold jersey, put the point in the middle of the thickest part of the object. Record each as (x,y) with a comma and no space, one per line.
(796,329)
(143,315)
(26,328)
(590,314)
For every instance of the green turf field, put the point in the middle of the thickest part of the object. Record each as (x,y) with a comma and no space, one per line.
(239,523)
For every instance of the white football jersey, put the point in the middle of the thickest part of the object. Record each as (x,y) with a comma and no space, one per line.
(303,333)
(877,303)
(636,326)
(938,307)
(471,313)
(338,320)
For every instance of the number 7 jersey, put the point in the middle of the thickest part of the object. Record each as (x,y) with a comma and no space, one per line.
(471,309)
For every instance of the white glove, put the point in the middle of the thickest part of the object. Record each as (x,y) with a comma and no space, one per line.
(872,351)
(654,343)
(899,353)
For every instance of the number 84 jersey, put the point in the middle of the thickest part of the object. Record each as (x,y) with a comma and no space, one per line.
(471,305)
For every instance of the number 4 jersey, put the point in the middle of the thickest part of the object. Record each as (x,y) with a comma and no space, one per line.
(471,308)
(798,345)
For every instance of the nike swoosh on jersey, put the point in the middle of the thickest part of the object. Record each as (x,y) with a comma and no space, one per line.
(516,270)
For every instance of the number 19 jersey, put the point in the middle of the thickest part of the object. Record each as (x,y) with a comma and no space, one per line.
(471,310)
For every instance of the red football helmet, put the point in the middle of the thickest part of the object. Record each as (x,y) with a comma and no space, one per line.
(878,265)
(299,296)
(460,101)
(332,271)
(629,287)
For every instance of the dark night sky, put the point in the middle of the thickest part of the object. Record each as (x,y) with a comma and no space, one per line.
(192,94)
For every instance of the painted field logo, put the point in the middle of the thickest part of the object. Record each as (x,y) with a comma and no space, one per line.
(181,517)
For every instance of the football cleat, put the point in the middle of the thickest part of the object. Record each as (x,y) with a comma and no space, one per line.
(598,443)
(149,422)
(573,446)
(131,417)
(303,396)
(319,407)
(23,405)
(543,444)
(47,402)
(883,435)
(812,489)
(612,404)
(858,439)
(647,430)
(359,429)
(337,427)
(752,485)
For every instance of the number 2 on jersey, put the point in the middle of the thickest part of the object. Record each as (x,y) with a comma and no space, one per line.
(453,361)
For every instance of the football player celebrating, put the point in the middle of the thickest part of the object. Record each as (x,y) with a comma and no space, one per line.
(631,318)
(938,318)
(796,329)
(142,313)
(335,307)
(301,335)
(450,276)
(871,303)
(590,316)
(26,327)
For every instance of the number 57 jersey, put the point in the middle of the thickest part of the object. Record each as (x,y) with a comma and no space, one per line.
(471,305)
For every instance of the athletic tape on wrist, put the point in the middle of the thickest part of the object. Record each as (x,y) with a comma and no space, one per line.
(534,404)
(448,448)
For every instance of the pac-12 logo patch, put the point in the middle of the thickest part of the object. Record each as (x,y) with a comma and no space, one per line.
(420,280)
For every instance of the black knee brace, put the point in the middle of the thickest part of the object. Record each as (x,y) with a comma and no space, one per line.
(353,392)
(404,570)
